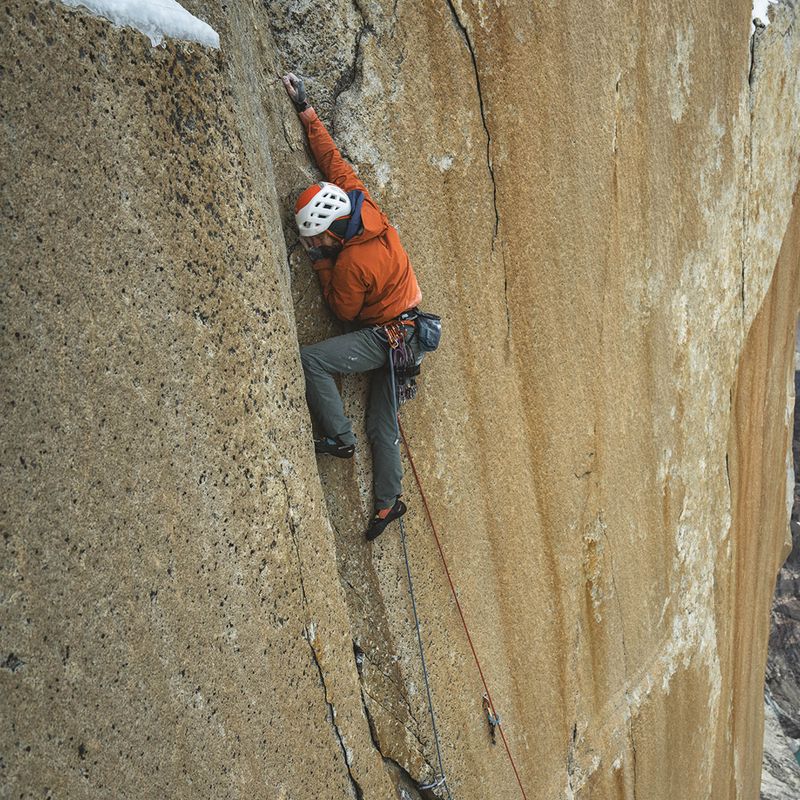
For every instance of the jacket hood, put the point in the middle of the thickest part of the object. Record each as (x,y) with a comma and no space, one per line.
(373,220)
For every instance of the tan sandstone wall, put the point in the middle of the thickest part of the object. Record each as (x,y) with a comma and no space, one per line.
(594,197)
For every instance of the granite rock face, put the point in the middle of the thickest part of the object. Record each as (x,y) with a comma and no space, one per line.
(780,779)
(601,203)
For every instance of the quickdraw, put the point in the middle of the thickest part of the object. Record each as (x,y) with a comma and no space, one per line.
(492,719)
(402,361)
(395,333)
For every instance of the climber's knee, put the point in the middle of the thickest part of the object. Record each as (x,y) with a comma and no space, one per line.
(309,358)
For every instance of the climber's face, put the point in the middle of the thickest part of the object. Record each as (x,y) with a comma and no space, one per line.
(323,245)
(323,239)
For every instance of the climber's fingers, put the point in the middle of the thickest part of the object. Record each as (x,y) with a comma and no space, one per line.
(294,86)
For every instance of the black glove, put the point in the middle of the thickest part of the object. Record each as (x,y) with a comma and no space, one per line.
(296,90)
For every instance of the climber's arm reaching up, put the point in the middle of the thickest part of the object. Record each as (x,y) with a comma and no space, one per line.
(326,154)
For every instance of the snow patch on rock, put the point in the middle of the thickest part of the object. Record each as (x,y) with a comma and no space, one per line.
(156,19)
(760,11)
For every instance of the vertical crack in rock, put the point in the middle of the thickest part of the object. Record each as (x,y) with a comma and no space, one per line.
(614,143)
(332,717)
(751,71)
(293,532)
(727,455)
(373,733)
(490,166)
(309,635)
(348,78)
(412,733)
(424,794)
(571,759)
(394,17)
(289,252)
(748,158)
(728,473)
(634,765)
(472,55)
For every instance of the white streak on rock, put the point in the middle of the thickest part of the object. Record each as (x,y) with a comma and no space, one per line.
(680,75)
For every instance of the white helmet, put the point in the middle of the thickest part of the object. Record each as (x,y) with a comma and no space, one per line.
(319,206)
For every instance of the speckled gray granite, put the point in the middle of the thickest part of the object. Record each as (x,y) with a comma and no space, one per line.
(780,778)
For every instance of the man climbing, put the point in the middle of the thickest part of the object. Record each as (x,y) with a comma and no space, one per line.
(366,276)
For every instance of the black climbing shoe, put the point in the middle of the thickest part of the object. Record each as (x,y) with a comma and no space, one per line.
(377,525)
(333,447)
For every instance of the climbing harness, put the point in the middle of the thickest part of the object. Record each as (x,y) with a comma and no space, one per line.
(403,365)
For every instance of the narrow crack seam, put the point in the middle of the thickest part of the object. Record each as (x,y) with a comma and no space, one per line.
(465,33)
(425,794)
(397,684)
(472,55)
(332,717)
(399,721)
(310,640)
(751,79)
(350,75)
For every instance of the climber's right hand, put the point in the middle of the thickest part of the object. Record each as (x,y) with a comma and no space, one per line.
(296,90)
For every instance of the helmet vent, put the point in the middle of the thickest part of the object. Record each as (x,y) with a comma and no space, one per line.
(327,204)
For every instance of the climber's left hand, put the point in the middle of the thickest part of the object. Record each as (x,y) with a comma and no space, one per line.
(296,90)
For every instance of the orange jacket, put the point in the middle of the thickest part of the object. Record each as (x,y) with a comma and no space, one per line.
(372,279)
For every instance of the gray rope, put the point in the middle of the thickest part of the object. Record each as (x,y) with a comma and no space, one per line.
(443,779)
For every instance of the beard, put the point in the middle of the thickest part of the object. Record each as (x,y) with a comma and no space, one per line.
(330,251)
(323,251)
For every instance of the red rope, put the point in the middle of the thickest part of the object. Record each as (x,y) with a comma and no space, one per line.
(458,605)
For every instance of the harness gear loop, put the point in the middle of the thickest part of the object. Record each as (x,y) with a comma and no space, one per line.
(395,334)
(403,364)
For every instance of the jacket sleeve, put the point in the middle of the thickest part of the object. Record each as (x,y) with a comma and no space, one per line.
(326,154)
(343,287)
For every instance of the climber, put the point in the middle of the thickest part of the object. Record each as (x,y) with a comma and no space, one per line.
(366,276)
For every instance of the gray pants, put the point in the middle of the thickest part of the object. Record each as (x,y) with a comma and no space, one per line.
(360,351)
